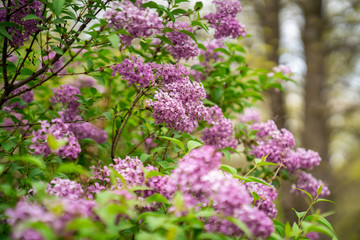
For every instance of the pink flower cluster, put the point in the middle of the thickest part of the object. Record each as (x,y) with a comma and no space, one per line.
(60,131)
(25,28)
(183,46)
(135,71)
(308,183)
(267,196)
(278,145)
(220,134)
(202,184)
(224,19)
(136,20)
(69,199)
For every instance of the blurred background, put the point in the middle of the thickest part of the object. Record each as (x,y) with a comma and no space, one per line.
(320,41)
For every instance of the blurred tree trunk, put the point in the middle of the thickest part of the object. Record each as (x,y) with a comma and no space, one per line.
(268,12)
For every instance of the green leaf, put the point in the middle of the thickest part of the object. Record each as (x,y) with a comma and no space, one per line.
(324,200)
(299,214)
(226,154)
(229,169)
(31,17)
(190,34)
(176,141)
(5,33)
(308,194)
(30,159)
(321,220)
(55,144)
(157,197)
(107,115)
(114,40)
(71,168)
(240,224)
(193,144)
(58,6)
(318,192)
(198,6)
(144,157)
(267,164)
(8,145)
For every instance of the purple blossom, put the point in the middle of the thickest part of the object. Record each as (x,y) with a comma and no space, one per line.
(135,71)
(26,27)
(179,105)
(65,188)
(183,46)
(59,130)
(224,21)
(66,95)
(249,115)
(220,134)
(88,130)
(313,235)
(87,82)
(309,184)
(267,196)
(302,159)
(57,65)
(170,73)
(137,21)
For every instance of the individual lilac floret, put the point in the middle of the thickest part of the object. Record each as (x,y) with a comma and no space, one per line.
(224,21)
(179,105)
(135,71)
(267,196)
(87,130)
(309,184)
(137,21)
(220,134)
(26,27)
(66,95)
(183,46)
(65,188)
(60,131)
(249,115)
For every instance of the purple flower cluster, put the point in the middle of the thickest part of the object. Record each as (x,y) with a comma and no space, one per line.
(25,28)
(308,183)
(279,144)
(57,65)
(66,95)
(220,134)
(65,188)
(249,115)
(87,82)
(135,71)
(137,21)
(60,131)
(131,170)
(170,73)
(224,19)
(202,184)
(183,46)
(267,196)
(69,202)
(179,105)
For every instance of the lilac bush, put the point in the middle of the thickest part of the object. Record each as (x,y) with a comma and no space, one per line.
(119,118)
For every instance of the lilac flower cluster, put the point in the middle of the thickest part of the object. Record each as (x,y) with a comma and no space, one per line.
(224,19)
(308,183)
(136,20)
(179,105)
(60,131)
(220,134)
(249,115)
(267,196)
(26,27)
(135,71)
(170,73)
(183,46)
(279,145)
(201,183)
(65,188)
(57,65)
(66,95)
(87,82)
(69,201)
(131,170)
